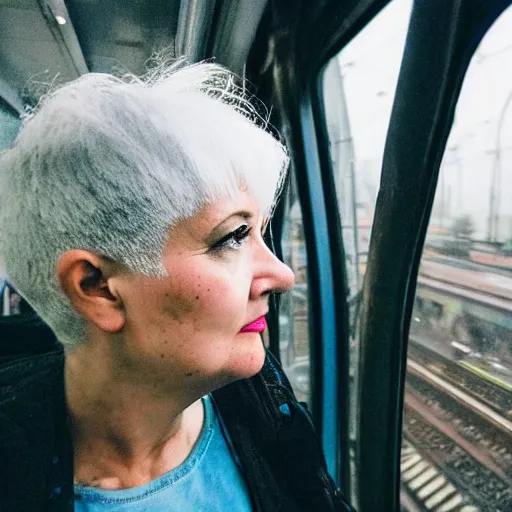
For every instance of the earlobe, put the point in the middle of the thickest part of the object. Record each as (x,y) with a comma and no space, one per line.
(82,277)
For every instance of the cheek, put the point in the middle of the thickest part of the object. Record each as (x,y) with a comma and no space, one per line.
(218,300)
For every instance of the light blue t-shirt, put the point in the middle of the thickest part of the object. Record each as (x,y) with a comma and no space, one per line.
(210,480)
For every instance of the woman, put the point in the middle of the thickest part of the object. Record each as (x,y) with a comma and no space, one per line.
(132,218)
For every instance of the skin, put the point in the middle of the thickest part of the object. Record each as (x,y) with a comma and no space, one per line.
(156,346)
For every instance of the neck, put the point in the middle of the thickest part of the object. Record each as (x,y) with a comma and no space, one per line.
(125,434)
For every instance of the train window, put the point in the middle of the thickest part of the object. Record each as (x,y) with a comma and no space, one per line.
(293,316)
(457,443)
(9,124)
(358,89)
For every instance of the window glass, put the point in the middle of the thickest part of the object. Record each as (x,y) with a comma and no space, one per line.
(457,447)
(358,88)
(9,124)
(294,313)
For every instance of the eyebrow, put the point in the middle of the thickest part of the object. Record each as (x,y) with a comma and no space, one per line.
(243,214)
(246,215)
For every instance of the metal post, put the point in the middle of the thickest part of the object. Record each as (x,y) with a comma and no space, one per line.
(6,302)
(344,160)
(443,199)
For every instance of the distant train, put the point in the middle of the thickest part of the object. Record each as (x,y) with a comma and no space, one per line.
(466,310)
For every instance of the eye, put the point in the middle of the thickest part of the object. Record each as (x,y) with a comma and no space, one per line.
(232,240)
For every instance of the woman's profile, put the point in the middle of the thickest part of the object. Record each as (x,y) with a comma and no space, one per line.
(132,214)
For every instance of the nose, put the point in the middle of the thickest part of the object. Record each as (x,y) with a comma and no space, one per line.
(271,274)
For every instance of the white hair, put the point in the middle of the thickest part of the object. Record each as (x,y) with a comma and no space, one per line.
(110,164)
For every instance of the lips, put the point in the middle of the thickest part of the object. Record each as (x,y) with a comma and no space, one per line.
(259,325)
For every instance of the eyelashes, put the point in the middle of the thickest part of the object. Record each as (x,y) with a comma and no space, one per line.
(233,240)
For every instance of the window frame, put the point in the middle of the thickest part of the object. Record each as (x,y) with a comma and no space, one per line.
(303,43)
(313,32)
(402,213)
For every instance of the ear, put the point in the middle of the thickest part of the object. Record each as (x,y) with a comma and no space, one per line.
(86,280)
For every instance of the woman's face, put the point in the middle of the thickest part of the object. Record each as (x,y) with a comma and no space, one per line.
(185,330)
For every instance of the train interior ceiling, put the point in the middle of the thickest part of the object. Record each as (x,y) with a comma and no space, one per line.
(398,118)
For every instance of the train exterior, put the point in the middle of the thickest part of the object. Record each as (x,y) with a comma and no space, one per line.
(469,311)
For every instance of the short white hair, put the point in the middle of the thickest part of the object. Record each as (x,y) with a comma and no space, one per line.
(109,164)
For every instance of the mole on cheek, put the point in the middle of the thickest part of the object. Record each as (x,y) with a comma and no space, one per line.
(162,356)
(197,297)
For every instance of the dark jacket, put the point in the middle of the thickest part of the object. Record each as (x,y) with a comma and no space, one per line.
(272,432)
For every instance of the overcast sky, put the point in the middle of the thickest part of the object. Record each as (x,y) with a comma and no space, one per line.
(370,66)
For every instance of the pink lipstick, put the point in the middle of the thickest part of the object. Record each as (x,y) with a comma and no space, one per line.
(259,325)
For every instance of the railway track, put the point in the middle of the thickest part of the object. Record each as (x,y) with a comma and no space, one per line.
(424,487)
(456,454)
(490,393)
(470,265)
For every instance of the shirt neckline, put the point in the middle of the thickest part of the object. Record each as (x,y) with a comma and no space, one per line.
(96,494)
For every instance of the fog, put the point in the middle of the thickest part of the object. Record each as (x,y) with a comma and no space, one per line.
(370,66)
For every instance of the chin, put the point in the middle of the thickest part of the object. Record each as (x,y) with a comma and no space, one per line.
(249,360)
